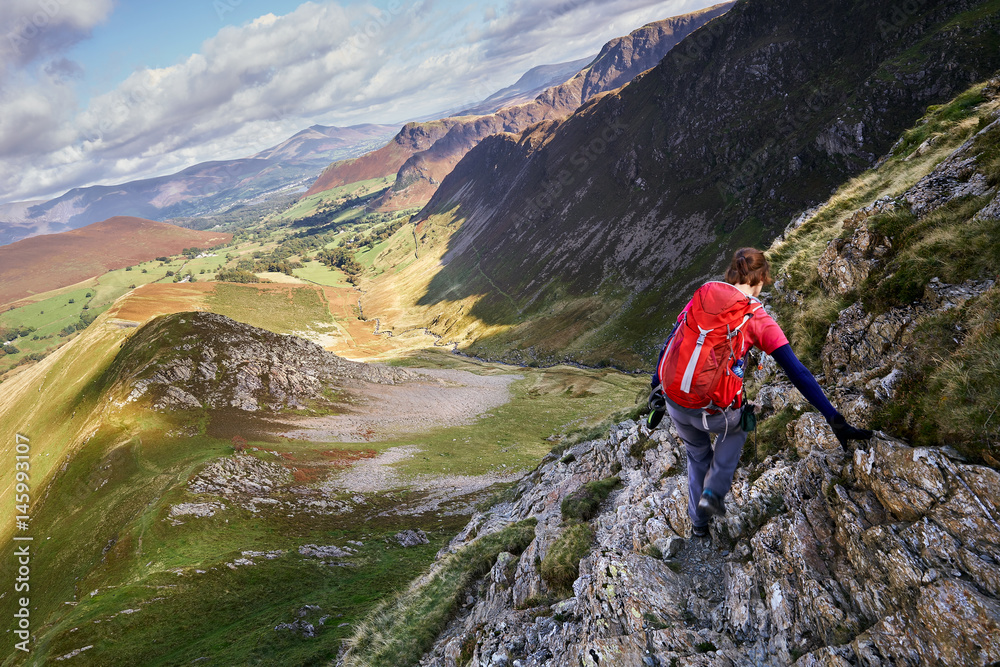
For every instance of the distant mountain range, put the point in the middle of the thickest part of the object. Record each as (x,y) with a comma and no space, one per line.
(422,154)
(528,87)
(212,187)
(198,190)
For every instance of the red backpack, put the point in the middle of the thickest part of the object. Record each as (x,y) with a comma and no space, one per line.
(696,368)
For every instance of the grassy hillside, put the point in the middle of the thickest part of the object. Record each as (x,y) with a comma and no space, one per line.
(131,585)
(948,388)
(52,261)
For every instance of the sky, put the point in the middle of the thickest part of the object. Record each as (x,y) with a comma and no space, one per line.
(109,91)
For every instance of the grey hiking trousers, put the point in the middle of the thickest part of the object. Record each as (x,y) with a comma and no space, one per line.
(708,467)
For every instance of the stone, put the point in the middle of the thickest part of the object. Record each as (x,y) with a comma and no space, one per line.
(669,546)
(411,538)
(196,509)
(810,433)
(991,211)
(313,551)
(951,623)
(847,262)
(955,177)
(528,584)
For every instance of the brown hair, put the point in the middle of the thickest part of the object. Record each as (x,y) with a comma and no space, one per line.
(749,267)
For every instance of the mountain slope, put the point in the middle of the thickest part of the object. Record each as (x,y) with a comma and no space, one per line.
(199,189)
(620,61)
(434,148)
(612,216)
(51,261)
(386,160)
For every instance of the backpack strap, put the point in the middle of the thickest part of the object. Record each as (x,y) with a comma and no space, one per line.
(688,377)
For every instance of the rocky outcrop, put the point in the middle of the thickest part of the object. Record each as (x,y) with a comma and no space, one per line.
(872,347)
(848,262)
(954,178)
(887,553)
(241,475)
(313,551)
(411,538)
(866,344)
(196,509)
(218,363)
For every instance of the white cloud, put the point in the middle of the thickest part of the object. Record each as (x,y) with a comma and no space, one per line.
(253,85)
(34,29)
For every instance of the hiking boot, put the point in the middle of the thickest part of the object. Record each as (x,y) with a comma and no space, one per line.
(711,503)
(699,531)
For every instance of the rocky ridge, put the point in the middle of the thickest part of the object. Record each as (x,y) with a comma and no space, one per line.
(215,362)
(887,553)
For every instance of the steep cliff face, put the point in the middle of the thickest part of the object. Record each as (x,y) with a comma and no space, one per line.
(641,193)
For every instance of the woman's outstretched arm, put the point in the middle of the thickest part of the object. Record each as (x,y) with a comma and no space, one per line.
(804,381)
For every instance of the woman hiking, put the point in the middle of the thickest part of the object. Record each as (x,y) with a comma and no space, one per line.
(699,380)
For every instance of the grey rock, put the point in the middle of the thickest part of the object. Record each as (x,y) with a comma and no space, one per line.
(313,551)
(411,538)
(196,509)
(846,263)
(241,475)
(956,177)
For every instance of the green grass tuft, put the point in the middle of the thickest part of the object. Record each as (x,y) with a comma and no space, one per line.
(399,631)
(948,244)
(772,433)
(561,565)
(949,393)
(582,504)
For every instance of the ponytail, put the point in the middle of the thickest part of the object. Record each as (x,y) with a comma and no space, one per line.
(749,267)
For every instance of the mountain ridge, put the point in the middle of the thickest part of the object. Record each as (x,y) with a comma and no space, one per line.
(531,84)
(419,173)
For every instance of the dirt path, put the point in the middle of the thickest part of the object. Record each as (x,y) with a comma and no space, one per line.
(441,398)
(377,475)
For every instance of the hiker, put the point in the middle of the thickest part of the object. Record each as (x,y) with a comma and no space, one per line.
(699,380)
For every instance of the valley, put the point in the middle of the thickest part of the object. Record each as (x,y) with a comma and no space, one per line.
(130,541)
(396,417)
